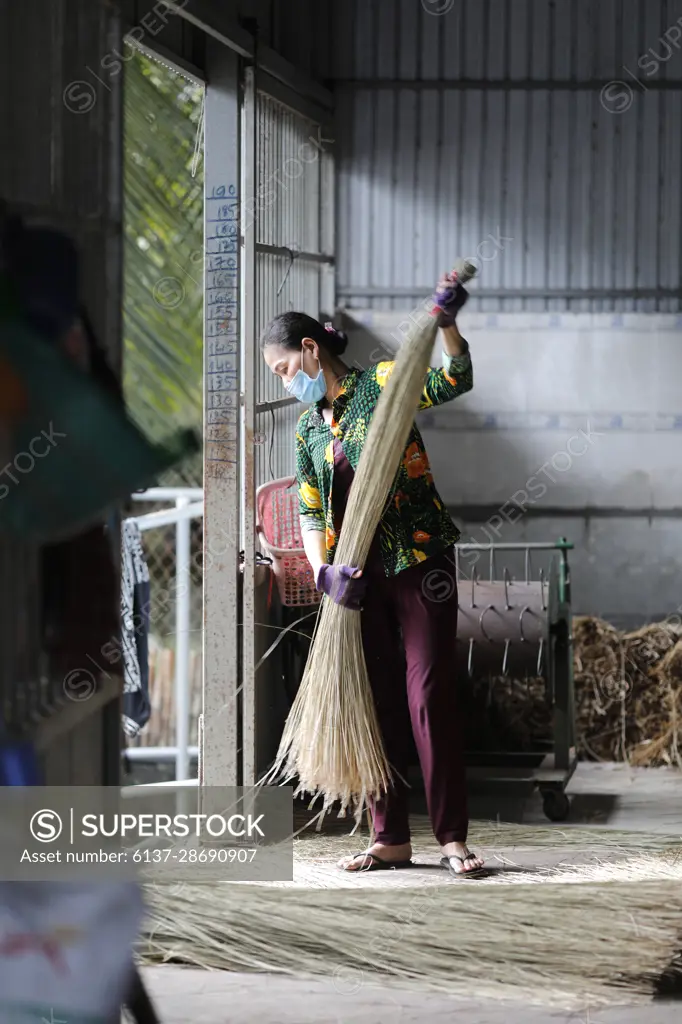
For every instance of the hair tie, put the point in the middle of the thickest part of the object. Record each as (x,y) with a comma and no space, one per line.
(330,327)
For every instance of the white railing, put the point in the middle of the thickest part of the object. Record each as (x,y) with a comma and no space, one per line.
(188,505)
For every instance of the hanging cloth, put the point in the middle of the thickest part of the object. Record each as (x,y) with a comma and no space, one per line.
(135,596)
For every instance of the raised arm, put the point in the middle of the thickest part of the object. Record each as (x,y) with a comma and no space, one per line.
(455,377)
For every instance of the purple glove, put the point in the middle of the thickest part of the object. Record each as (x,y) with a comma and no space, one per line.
(336,581)
(449,297)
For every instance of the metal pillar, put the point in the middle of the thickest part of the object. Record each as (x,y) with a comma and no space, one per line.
(249,353)
(221,419)
(183,581)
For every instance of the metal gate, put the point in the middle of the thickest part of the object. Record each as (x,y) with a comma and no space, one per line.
(288,264)
(294,243)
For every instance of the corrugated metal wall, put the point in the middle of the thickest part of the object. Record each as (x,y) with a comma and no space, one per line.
(573,429)
(491,130)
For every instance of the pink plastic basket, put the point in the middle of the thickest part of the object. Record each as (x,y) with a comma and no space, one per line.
(280,536)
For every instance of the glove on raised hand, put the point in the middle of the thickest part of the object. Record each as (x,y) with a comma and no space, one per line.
(449,297)
(337,582)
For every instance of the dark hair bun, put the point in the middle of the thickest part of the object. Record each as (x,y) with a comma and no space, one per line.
(340,341)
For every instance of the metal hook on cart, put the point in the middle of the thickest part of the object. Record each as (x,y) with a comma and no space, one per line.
(505,656)
(474,581)
(525,609)
(542,590)
(470,659)
(540,653)
(507,583)
(488,608)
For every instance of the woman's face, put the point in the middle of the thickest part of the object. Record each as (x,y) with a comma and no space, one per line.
(286,362)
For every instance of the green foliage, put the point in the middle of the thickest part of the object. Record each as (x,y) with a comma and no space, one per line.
(163,251)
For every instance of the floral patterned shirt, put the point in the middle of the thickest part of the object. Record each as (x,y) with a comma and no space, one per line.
(415,523)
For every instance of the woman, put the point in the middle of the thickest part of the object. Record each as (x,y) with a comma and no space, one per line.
(395,591)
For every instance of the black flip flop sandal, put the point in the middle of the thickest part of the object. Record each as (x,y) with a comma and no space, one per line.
(376,863)
(476,873)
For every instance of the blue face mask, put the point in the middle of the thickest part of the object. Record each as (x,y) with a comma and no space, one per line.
(307,389)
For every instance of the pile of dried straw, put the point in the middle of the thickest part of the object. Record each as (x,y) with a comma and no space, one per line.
(561,945)
(600,927)
(628,697)
(628,692)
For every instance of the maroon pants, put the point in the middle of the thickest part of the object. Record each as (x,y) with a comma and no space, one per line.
(416,689)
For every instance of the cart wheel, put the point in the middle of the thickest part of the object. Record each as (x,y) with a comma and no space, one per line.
(556,805)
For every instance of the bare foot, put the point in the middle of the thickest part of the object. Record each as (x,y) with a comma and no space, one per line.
(377,852)
(461,860)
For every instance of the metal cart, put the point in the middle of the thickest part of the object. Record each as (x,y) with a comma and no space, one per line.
(519,629)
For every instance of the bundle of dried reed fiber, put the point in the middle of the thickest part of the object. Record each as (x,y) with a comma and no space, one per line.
(628,692)
(562,945)
(331,741)
(628,698)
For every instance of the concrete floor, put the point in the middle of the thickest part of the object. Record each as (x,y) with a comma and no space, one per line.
(187,996)
(604,796)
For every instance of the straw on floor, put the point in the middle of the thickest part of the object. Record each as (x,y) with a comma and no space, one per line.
(562,945)
(335,838)
(331,741)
